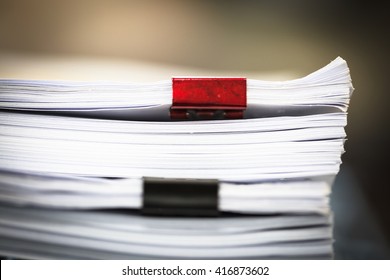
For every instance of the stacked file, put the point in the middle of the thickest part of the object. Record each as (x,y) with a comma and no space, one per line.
(74,158)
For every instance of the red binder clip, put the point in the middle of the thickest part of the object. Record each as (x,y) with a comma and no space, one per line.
(208,98)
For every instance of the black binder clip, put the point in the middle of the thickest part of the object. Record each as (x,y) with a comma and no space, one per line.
(180,197)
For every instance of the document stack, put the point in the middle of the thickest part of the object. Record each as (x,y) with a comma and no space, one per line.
(192,168)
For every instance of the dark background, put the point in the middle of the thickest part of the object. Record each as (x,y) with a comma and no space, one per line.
(246,37)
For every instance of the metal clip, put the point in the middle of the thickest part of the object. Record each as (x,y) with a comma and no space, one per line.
(208,98)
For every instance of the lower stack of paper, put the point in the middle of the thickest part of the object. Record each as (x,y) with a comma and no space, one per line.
(71,185)
(59,234)
(66,192)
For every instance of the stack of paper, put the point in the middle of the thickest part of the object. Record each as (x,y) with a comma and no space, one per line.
(73,155)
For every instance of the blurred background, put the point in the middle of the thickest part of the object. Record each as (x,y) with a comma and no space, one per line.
(145,40)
